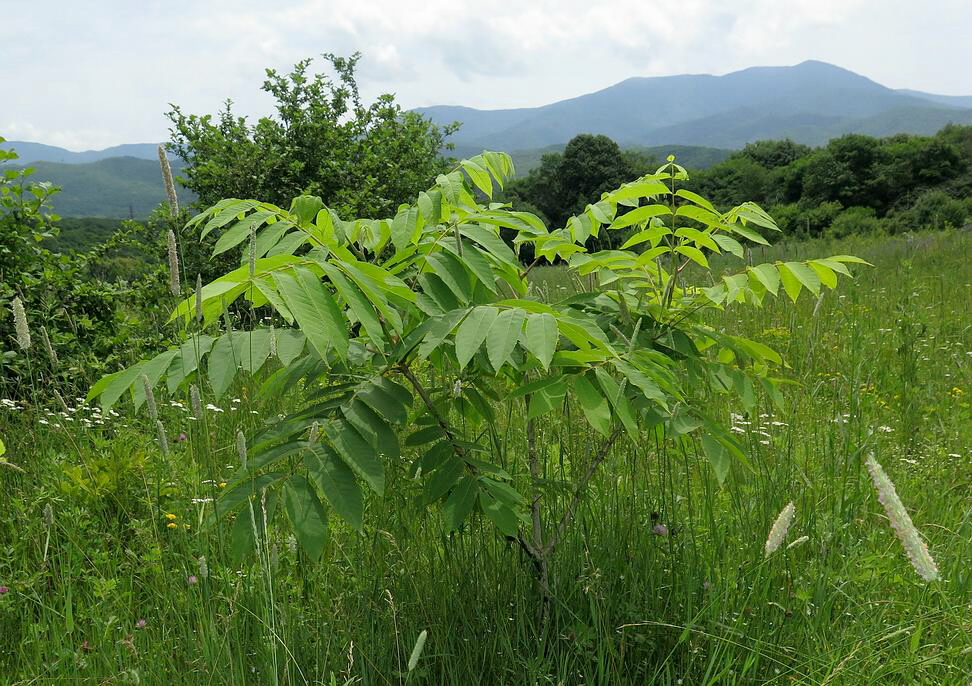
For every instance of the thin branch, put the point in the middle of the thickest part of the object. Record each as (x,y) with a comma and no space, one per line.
(580,489)
(427,399)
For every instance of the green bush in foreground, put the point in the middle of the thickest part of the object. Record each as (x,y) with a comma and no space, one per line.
(426,321)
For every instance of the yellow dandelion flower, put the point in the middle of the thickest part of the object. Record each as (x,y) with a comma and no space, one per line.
(222,484)
(169,515)
(172,525)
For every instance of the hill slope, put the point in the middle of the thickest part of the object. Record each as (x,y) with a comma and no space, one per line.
(810,102)
(39,152)
(117,187)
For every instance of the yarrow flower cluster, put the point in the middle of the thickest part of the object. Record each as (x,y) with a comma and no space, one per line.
(901,522)
(780,527)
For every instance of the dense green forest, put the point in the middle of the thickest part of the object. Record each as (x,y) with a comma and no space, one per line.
(853,185)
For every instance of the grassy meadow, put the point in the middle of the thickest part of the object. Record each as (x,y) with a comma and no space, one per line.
(109,575)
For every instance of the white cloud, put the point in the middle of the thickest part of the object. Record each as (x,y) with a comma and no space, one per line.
(93,74)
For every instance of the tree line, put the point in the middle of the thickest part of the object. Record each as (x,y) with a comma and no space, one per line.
(854,184)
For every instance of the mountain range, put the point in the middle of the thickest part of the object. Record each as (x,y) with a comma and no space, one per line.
(701,117)
(810,102)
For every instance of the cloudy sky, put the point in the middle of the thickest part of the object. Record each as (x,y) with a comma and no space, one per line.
(92,74)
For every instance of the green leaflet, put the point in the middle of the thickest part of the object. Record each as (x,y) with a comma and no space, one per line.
(541,336)
(472,332)
(438,483)
(640,215)
(388,399)
(479,176)
(315,310)
(503,335)
(768,276)
(460,503)
(337,482)
(373,428)
(595,406)
(357,453)
(306,515)
(718,456)
(804,274)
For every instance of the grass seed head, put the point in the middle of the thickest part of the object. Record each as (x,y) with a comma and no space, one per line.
(904,528)
(175,286)
(780,527)
(20,324)
(163,440)
(49,347)
(195,401)
(199,298)
(170,191)
(241,447)
(417,650)
(153,409)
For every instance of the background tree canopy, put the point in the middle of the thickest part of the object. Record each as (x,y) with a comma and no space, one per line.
(854,184)
(362,160)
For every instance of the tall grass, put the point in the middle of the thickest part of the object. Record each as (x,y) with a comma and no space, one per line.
(109,588)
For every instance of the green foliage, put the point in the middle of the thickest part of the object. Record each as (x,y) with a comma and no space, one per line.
(96,590)
(807,188)
(115,188)
(426,320)
(74,298)
(564,183)
(363,160)
(855,220)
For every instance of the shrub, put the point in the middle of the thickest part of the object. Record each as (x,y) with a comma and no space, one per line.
(423,324)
